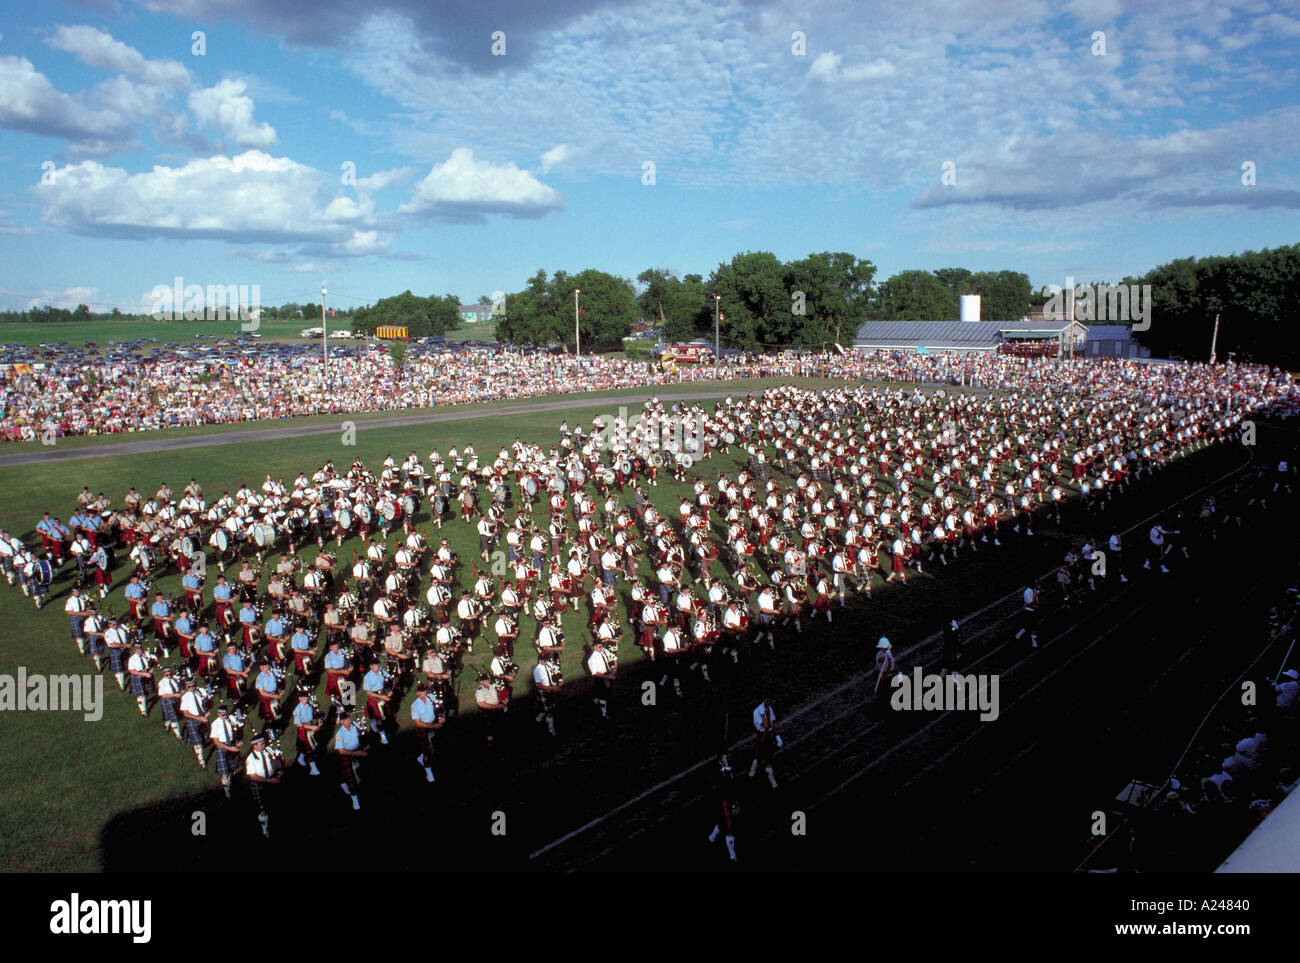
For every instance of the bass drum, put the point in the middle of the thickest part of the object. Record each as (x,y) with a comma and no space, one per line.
(345,519)
(388,510)
(188,546)
(439,505)
(220,540)
(264,534)
(408,504)
(530,486)
(579,477)
(364,514)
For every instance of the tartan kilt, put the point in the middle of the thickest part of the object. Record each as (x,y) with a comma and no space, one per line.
(95,644)
(302,662)
(228,763)
(347,773)
(306,742)
(140,686)
(194,734)
(102,577)
(170,712)
(374,709)
(424,739)
(259,793)
(116,660)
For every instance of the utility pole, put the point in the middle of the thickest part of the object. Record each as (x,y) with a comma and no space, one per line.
(717,328)
(1214,341)
(324,339)
(577,335)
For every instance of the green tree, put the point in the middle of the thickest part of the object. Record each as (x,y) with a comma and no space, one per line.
(397,354)
(836,291)
(917,296)
(756,304)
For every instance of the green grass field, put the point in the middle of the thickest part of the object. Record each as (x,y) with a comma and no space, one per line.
(64,780)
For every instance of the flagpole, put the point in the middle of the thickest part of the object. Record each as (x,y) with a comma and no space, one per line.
(1214,341)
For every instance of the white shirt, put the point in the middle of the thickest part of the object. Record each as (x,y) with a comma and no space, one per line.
(764,718)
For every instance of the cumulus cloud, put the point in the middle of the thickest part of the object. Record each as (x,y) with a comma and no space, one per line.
(30,103)
(98,48)
(249,198)
(826,68)
(226,108)
(463,189)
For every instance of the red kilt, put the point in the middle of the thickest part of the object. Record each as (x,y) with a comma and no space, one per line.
(898,563)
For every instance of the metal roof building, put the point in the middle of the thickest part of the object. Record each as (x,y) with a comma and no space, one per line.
(991,336)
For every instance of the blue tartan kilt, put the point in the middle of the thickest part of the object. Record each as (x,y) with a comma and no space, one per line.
(195,736)
(259,793)
(117,660)
(228,763)
(170,712)
(95,644)
(140,686)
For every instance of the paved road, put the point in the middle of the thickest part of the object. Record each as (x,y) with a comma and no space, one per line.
(161,441)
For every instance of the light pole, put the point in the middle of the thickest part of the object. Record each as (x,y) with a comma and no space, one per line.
(577,335)
(717,326)
(324,338)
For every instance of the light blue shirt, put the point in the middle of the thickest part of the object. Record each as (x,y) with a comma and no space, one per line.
(161,609)
(190,581)
(302,714)
(267,683)
(302,641)
(222,593)
(275,626)
(335,660)
(233,662)
(183,624)
(204,642)
(135,590)
(373,681)
(247,616)
(348,738)
(422,711)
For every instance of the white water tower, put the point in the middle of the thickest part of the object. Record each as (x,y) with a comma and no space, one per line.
(970,307)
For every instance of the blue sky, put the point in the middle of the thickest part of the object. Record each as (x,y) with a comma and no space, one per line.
(126,158)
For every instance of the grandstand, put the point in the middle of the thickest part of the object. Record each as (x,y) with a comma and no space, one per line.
(1032,338)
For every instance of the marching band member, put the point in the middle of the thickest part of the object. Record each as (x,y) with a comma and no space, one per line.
(427,719)
(306,725)
(268,692)
(194,710)
(347,743)
(886,668)
(547,682)
(603,666)
(767,740)
(263,771)
(141,671)
(236,670)
(76,607)
(725,789)
(169,697)
(118,644)
(377,699)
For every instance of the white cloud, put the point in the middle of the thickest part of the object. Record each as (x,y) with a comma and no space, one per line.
(826,68)
(68,298)
(29,102)
(461,188)
(557,155)
(250,198)
(97,48)
(225,108)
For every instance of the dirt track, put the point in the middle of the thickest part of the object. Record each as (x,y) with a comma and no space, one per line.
(161,441)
